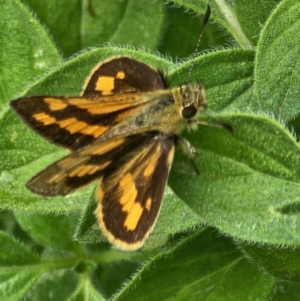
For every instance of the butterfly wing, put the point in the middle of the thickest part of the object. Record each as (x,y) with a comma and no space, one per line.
(73,122)
(109,97)
(129,198)
(133,173)
(121,75)
(91,163)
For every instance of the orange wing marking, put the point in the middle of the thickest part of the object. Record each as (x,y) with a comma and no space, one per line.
(105,84)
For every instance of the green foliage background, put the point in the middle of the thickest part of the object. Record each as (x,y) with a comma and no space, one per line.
(232,233)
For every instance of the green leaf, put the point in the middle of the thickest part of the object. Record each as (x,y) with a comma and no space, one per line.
(122,23)
(111,276)
(287,291)
(223,11)
(87,230)
(53,231)
(201,266)
(19,269)
(182,30)
(86,291)
(246,179)
(62,20)
(88,23)
(15,283)
(23,56)
(227,76)
(283,264)
(247,145)
(57,285)
(260,10)
(14,254)
(277,71)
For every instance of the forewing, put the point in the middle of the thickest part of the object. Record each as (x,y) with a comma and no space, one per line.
(129,197)
(120,75)
(74,122)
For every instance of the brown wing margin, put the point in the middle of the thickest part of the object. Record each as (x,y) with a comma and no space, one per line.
(129,199)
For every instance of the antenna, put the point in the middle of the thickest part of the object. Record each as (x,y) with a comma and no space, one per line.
(204,23)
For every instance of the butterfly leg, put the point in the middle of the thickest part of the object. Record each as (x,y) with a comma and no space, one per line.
(189,150)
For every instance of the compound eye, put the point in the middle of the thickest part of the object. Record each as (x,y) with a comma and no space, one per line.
(189,112)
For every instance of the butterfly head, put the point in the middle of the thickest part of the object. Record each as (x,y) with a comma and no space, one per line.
(192,98)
